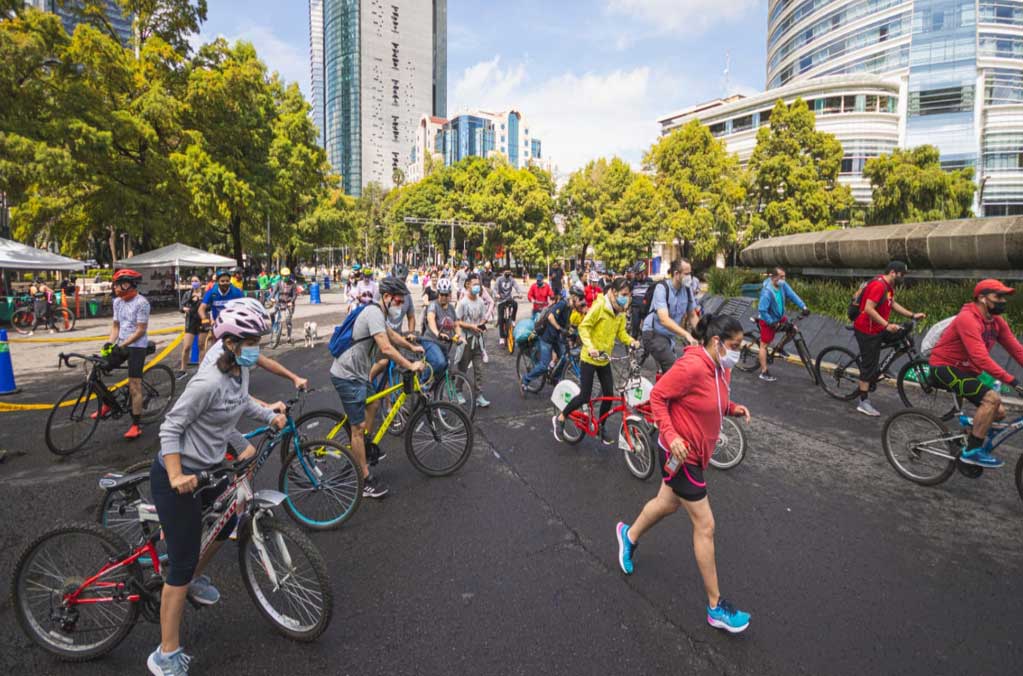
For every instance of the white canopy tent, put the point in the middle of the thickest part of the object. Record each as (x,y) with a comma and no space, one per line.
(17,256)
(176,256)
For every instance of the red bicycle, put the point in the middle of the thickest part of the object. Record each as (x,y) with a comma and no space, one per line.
(78,590)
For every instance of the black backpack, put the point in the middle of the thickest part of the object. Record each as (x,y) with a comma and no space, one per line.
(857,302)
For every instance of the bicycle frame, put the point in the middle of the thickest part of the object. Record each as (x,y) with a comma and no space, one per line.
(590,424)
(382,428)
(999,433)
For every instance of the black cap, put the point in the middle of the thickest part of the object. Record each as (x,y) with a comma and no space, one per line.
(896,266)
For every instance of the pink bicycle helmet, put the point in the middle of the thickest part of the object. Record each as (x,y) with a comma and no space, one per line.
(241,322)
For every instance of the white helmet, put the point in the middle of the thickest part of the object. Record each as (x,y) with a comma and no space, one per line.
(444,285)
(241,322)
(249,304)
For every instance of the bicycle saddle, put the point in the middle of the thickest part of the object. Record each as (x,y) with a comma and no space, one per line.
(117,480)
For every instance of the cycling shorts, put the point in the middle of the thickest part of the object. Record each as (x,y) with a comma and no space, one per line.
(965,384)
(135,356)
(688,483)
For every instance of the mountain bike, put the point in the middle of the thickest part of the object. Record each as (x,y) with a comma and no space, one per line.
(79,589)
(838,369)
(749,355)
(320,480)
(25,321)
(922,448)
(438,434)
(567,365)
(70,424)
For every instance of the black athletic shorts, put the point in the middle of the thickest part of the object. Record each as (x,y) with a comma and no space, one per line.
(966,384)
(135,356)
(688,483)
(193,325)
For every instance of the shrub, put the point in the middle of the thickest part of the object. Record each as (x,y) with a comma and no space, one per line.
(728,281)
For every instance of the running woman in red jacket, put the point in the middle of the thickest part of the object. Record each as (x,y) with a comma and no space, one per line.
(688,404)
(963,352)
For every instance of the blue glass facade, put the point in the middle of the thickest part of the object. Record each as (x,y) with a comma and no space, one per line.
(513,138)
(343,114)
(537,148)
(70,15)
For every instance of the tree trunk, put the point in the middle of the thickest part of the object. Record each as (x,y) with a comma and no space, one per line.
(112,241)
(236,237)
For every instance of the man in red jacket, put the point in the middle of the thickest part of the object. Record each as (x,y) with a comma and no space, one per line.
(963,352)
(540,294)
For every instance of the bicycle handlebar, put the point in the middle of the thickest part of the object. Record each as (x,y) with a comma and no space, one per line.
(65,359)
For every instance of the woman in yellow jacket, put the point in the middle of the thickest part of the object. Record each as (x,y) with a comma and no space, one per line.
(602,324)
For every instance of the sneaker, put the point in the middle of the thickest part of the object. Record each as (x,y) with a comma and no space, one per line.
(486,357)
(783,354)
(500,341)
(522,390)
(134,432)
(556,424)
(727,617)
(767,377)
(374,453)
(626,548)
(372,487)
(482,402)
(103,412)
(980,458)
(181,375)
(168,665)
(606,437)
(460,398)
(866,408)
(202,591)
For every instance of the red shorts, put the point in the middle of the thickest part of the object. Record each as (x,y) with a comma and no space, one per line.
(767,334)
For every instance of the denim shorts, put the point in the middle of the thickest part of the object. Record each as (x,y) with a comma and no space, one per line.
(353,395)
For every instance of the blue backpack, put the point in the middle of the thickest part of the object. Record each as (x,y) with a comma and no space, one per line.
(341,340)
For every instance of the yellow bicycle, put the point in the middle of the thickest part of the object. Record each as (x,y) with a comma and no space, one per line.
(438,434)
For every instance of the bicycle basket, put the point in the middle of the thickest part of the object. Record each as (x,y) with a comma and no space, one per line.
(565,392)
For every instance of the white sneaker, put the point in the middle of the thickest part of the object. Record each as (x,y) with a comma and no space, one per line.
(500,341)
(866,408)
(486,357)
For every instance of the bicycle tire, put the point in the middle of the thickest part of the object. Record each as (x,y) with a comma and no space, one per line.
(749,355)
(524,364)
(429,418)
(82,396)
(806,358)
(274,532)
(934,425)
(118,511)
(732,444)
(64,319)
(23,320)
(916,391)
(316,425)
(840,376)
(343,477)
(158,387)
(641,461)
(571,433)
(1019,477)
(455,384)
(47,638)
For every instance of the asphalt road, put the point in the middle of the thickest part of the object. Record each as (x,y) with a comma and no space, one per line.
(509,567)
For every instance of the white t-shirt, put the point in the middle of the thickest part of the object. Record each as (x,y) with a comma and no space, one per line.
(129,314)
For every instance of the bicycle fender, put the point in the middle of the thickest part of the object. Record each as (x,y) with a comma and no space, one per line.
(268,498)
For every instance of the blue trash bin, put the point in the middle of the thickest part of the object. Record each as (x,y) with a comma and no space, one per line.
(326,282)
(314,294)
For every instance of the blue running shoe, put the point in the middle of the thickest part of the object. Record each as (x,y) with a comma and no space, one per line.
(625,548)
(980,458)
(202,591)
(727,617)
(175,664)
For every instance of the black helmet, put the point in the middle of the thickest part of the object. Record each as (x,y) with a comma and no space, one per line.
(393,286)
(577,292)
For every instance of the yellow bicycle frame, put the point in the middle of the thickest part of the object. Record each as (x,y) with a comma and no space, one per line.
(382,428)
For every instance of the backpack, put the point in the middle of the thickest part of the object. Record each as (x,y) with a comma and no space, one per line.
(855,304)
(933,335)
(341,340)
(541,323)
(648,297)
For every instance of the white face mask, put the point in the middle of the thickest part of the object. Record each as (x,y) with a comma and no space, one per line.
(729,359)
(687,280)
(394,313)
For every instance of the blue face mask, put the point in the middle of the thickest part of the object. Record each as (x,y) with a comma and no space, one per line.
(623,300)
(249,356)
(476,290)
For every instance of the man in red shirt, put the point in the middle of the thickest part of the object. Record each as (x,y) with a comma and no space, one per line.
(963,352)
(540,294)
(873,329)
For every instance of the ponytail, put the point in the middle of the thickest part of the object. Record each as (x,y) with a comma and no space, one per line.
(716,326)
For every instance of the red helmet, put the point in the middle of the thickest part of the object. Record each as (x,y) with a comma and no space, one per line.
(127,275)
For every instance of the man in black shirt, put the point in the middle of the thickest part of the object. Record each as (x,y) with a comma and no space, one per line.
(557,280)
(551,335)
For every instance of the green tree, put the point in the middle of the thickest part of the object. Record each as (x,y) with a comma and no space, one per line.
(631,225)
(701,187)
(173,21)
(909,186)
(794,175)
(587,198)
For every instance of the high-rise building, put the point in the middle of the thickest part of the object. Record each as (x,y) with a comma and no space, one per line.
(70,16)
(316,66)
(886,73)
(384,63)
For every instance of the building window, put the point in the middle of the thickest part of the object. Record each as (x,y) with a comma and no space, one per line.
(940,101)
(765,117)
(742,123)
(395,90)
(832,104)
(1003,152)
(395,127)
(394,18)
(1001,46)
(718,129)
(871,103)
(394,55)
(1004,86)
(1009,12)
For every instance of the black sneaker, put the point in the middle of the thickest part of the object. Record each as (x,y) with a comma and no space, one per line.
(783,354)
(374,453)
(181,375)
(372,487)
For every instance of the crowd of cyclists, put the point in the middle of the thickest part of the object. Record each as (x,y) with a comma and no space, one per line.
(692,350)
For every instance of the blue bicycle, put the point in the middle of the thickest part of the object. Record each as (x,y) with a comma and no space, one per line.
(921,448)
(567,366)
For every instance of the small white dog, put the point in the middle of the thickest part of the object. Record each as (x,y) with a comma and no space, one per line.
(310,334)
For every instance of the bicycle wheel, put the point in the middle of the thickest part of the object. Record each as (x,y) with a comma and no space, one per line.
(1019,477)
(70,427)
(456,389)
(300,603)
(118,511)
(337,492)
(509,339)
(570,431)
(804,356)
(916,391)
(920,447)
(642,459)
(158,386)
(524,363)
(56,564)
(749,355)
(316,425)
(838,372)
(438,439)
(23,320)
(731,445)
(64,319)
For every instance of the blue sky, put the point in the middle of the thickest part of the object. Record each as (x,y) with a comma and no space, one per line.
(591,76)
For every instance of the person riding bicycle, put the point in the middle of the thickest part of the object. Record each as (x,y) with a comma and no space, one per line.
(193,438)
(551,336)
(672,314)
(217,297)
(689,404)
(506,290)
(471,313)
(350,373)
(600,327)
(963,353)
(440,329)
(129,341)
(540,294)
(873,330)
(42,305)
(771,316)
(365,290)
(284,293)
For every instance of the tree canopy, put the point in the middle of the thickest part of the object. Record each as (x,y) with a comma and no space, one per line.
(909,186)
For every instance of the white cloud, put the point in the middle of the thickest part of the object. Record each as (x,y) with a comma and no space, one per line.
(580,117)
(682,16)
(290,61)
